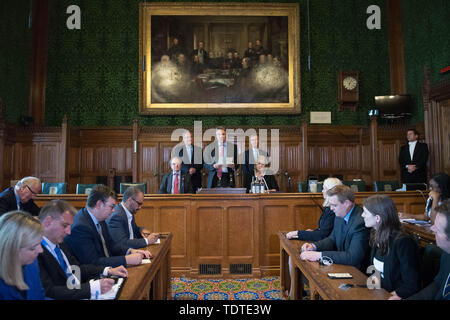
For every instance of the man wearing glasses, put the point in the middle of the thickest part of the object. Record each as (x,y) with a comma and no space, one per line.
(21,197)
(89,237)
(122,225)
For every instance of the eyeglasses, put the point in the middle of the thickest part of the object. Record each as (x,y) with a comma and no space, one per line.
(34,193)
(139,203)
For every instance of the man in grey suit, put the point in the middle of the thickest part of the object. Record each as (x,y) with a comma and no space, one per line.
(348,243)
(122,225)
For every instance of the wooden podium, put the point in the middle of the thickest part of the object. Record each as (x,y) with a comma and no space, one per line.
(222,191)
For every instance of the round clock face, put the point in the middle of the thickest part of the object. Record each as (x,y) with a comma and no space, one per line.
(349,83)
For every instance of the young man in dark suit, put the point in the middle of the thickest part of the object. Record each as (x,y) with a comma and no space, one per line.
(439,288)
(191,161)
(89,239)
(122,225)
(21,196)
(220,159)
(348,243)
(56,262)
(176,182)
(413,159)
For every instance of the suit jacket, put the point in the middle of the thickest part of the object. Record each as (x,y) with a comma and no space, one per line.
(326,223)
(420,158)
(118,229)
(205,55)
(54,278)
(401,270)
(166,184)
(8,203)
(86,244)
(248,167)
(31,278)
(350,247)
(210,159)
(196,178)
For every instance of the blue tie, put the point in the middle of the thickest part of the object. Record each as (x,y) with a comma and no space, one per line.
(61,260)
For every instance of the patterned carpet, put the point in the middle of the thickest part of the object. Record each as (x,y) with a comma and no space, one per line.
(229,289)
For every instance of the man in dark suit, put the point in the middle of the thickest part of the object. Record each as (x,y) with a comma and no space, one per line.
(413,159)
(191,160)
(348,243)
(249,160)
(203,57)
(89,239)
(122,225)
(21,197)
(57,263)
(221,160)
(176,182)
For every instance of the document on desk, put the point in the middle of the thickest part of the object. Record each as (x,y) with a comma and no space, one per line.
(111,294)
(145,261)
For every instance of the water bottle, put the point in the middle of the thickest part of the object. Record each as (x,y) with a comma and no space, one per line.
(262,186)
(253,185)
(258,186)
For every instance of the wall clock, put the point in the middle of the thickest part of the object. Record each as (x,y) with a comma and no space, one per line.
(348,90)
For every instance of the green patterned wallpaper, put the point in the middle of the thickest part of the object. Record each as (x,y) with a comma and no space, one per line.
(15,54)
(426,27)
(93,72)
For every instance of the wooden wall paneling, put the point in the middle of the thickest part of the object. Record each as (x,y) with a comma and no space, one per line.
(445,134)
(292,165)
(149,165)
(48,161)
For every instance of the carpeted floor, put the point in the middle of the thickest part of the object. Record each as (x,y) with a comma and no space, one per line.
(226,289)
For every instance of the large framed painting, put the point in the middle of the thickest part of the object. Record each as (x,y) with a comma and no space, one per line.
(219,58)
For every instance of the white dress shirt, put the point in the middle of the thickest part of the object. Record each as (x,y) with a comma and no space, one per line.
(129,219)
(412,145)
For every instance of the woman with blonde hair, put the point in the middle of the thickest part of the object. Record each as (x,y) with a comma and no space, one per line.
(20,244)
(326,220)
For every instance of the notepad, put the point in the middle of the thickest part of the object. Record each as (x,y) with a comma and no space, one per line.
(145,261)
(111,294)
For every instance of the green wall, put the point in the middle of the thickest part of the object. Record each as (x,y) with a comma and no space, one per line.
(15,55)
(93,72)
(426,34)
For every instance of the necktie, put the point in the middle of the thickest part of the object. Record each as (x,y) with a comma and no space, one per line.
(130,227)
(343,231)
(219,171)
(99,229)
(61,261)
(175,184)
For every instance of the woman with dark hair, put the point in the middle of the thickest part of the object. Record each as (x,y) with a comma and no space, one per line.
(439,191)
(394,254)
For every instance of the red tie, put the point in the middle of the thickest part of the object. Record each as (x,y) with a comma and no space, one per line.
(175,184)
(219,171)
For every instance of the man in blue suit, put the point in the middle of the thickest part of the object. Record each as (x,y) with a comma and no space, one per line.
(348,243)
(90,240)
(122,225)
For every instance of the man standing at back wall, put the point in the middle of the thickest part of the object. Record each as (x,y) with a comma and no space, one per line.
(413,159)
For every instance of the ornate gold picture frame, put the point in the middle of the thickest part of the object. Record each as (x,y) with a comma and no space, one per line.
(219,58)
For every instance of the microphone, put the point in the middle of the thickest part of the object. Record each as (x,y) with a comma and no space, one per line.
(267,187)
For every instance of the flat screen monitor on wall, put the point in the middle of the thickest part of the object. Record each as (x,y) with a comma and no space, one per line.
(400,105)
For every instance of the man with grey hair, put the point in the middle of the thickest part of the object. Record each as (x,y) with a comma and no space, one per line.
(176,181)
(21,197)
(122,225)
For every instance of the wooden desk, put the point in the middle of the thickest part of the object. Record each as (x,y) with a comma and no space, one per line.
(319,282)
(157,273)
(422,232)
(235,231)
